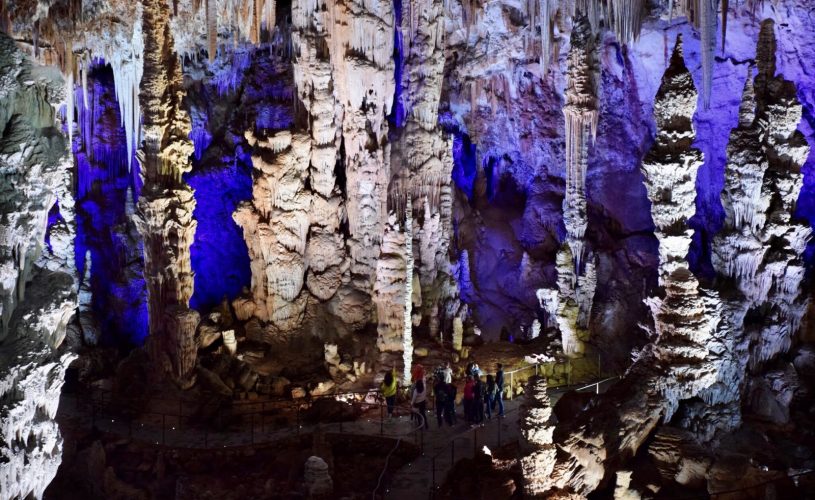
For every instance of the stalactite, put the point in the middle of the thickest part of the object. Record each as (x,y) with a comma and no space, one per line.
(212,30)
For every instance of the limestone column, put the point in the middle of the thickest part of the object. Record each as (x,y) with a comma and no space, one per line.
(165,206)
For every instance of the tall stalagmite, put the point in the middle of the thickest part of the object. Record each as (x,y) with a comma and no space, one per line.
(165,207)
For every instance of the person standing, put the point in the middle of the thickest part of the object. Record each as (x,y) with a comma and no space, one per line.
(388,388)
(441,394)
(450,413)
(467,400)
(489,398)
(448,373)
(499,386)
(419,403)
(478,401)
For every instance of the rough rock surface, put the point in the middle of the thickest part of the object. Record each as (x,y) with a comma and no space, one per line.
(39,286)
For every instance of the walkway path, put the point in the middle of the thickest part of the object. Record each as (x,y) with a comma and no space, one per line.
(441,447)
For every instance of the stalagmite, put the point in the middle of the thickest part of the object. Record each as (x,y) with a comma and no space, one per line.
(275,225)
(407,330)
(390,289)
(165,207)
(537,427)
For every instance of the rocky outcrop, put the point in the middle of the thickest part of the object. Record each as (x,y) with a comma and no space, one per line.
(37,281)
(165,208)
(759,251)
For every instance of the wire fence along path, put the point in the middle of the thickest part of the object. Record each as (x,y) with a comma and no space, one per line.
(245,423)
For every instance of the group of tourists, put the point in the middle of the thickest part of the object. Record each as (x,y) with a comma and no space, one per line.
(482,395)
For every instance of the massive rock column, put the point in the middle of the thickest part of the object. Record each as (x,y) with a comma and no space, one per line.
(37,284)
(571,304)
(675,367)
(165,207)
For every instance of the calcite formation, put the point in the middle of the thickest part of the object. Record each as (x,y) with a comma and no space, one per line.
(759,250)
(536,428)
(675,367)
(165,207)
(571,303)
(39,285)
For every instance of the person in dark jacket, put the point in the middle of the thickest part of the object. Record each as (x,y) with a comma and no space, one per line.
(450,413)
(499,386)
(442,393)
(489,398)
(478,401)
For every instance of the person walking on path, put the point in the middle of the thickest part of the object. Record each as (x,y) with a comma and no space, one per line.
(467,400)
(490,392)
(419,403)
(388,388)
(499,386)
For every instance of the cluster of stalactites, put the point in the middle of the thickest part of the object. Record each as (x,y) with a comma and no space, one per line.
(581,112)
(248,16)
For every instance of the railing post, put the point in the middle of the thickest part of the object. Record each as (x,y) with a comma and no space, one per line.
(511,390)
(499,432)
(163,428)
(180,412)
(475,443)
(433,483)
(298,419)
(381,419)
(252,425)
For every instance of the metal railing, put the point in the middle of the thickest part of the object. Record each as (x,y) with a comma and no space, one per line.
(219,426)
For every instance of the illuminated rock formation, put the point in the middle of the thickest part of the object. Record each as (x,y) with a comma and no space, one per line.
(276,225)
(760,247)
(675,366)
(423,159)
(38,282)
(571,304)
(165,207)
